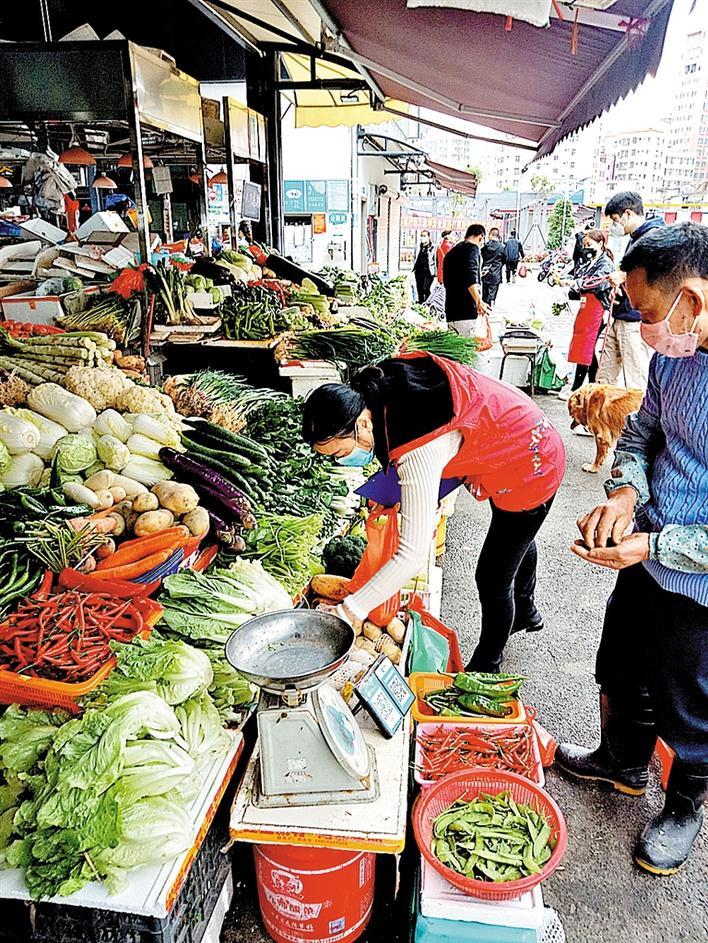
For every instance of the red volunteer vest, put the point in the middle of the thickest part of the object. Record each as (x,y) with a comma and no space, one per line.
(585,330)
(510,452)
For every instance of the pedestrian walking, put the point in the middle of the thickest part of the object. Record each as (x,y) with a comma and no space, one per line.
(448,241)
(462,278)
(492,264)
(593,285)
(433,419)
(513,254)
(652,663)
(625,357)
(425,267)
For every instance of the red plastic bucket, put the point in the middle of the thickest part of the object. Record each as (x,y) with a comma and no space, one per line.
(314,895)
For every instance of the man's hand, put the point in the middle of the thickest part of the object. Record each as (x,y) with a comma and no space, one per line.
(630,550)
(617,279)
(485,309)
(608,522)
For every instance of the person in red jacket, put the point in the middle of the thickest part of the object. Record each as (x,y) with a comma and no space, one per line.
(435,419)
(448,241)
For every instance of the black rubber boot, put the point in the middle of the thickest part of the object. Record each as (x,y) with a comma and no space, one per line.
(667,840)
(627,741)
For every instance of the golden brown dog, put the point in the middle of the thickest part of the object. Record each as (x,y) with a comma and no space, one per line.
(603,410)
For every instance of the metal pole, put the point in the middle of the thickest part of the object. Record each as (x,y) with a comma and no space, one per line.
(233,215)
(274,150)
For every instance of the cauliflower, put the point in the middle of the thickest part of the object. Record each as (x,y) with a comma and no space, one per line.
(145,400)
(100,386)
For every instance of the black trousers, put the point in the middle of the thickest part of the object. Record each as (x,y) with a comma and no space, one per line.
(489,291)
(423,283)
(511,268)
(506,580)
(588,370)
(658,641)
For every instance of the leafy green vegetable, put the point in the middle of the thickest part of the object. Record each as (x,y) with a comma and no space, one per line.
(74,453)
(201,727)
(285,545)
(25,736)
(178,670)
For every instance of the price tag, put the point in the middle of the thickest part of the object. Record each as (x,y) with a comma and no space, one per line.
(386,695)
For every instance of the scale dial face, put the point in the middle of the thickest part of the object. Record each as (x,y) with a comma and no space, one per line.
(341,731)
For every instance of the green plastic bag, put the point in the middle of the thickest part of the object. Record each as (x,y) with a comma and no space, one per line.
(545,375)
(429,651)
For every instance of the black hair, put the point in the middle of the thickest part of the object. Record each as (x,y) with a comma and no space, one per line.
(513,234)
(445,232)
(492,231)
(623,201)
(670,254)
(332,410)
(476,229)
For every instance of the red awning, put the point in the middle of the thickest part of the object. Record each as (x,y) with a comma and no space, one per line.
(524,81)
(460,181)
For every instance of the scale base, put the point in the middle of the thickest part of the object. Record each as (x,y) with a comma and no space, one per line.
(340,796)
(297,767)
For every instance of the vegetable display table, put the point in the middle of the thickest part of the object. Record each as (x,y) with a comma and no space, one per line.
(378,826)
(151,891)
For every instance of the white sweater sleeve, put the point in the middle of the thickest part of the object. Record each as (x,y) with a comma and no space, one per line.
(420,472)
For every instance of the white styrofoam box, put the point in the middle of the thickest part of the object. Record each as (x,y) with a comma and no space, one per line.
(40,228)
(440,899)
(308,375)
(35,309)
(105,221)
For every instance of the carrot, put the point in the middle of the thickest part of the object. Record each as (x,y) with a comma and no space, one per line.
(132,550)
(91,583)
(101,525)
(131,571)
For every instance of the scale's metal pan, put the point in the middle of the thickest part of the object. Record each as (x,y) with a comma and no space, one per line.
(293,648)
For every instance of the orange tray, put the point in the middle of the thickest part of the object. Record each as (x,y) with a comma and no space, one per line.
(423,683)
(38,692)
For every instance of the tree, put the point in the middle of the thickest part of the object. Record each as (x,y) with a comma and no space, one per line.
(542,185)
(477,171)
(560,223)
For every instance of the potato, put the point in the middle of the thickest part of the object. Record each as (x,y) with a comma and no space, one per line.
(153,521)
(371,631)
(119,525)
(397,630)
(145,502)
(388,647)
(118,494)
(366,645)
(197,521)
(332,587)
(175,497)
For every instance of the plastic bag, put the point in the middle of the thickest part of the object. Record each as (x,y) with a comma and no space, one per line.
(382,537)
(454,662)
(483,333)
(428,651)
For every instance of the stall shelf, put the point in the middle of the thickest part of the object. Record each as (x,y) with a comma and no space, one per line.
(151,891)
(378,826)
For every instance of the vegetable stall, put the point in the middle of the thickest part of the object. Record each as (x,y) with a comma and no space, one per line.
(145,529)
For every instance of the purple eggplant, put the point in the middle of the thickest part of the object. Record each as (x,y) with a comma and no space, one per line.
(211,483)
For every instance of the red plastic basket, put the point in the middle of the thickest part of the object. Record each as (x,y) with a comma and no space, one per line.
(468,785)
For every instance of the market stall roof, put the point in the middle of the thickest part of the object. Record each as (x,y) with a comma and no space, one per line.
(536,84)
(539,84)
(333,107)
(451,178)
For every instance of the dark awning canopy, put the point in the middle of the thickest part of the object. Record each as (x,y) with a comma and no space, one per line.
(451,178)
(536,84)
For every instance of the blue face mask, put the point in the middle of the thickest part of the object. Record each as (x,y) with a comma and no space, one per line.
(358,457)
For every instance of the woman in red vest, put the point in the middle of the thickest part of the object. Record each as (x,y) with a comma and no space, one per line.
(434,419)
(595,290)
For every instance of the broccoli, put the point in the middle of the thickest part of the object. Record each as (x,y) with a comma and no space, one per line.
(342,555)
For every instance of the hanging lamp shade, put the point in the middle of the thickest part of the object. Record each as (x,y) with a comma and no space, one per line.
(196,179)
(221,178)
(77,155)
(127,161)
(4,183)
(102,182)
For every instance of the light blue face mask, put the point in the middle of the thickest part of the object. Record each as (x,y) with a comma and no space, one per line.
(358,457)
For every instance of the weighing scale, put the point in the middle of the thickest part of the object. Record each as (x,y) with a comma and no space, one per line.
(311,750)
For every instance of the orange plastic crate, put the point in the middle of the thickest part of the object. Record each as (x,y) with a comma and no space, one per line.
(423,683)
(38,692)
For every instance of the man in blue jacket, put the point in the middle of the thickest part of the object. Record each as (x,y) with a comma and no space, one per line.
(652,664)
(625,357)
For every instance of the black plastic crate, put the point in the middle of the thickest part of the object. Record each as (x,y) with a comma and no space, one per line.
(186,922)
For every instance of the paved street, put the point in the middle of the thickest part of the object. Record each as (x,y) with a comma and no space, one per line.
(600,896)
